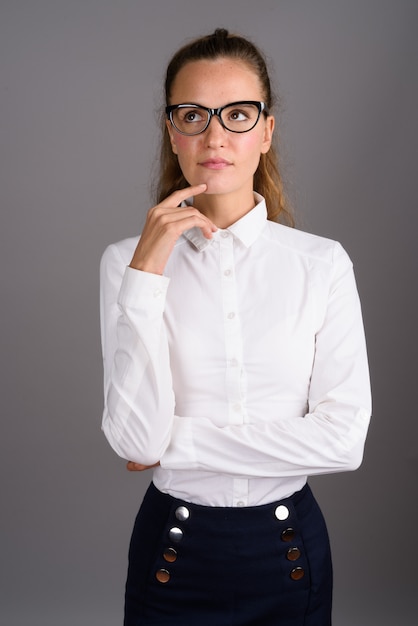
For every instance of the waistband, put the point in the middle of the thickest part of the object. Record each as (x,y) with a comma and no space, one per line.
(299,501)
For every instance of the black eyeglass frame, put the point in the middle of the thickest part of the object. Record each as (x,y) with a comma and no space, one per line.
(262,108)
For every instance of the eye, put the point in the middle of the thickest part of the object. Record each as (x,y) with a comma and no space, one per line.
(238,115)
(191,116)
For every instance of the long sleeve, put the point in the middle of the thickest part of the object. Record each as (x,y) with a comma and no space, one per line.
(138,411)
(329,438)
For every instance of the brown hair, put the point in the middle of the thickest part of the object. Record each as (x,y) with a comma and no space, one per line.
(267,179)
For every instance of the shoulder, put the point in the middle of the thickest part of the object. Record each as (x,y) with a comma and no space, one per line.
(313,248)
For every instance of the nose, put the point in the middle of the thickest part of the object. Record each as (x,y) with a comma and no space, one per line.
(215,134)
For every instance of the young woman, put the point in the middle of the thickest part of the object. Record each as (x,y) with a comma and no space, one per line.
(235,364)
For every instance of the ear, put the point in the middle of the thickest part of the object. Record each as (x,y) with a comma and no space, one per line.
(171,135)
(268,134)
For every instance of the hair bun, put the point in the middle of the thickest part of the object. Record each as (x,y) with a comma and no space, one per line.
(221,33)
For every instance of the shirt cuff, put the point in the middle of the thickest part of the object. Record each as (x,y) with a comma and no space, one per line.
(143,290)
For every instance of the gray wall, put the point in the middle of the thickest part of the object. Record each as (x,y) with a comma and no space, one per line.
(80,80)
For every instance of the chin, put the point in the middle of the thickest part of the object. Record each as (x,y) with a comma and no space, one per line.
(217,182)
(216,186)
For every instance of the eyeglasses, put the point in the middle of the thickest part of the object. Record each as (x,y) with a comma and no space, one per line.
(237,117)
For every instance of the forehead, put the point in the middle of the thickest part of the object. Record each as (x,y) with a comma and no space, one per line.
(216,82)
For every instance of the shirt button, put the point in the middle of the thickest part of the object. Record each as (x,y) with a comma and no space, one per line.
(227,272)
(233,363)
(231,315)
(237,407)
(224,234)
(157,293)
(240,503)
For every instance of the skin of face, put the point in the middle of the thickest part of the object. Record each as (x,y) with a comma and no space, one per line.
(223,160)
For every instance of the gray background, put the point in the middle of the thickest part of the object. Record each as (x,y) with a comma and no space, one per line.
(80,80)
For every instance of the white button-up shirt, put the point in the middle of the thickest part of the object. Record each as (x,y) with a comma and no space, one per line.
(243,369)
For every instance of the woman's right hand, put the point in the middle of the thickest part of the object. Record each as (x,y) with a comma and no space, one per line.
(138,467)
(164,225)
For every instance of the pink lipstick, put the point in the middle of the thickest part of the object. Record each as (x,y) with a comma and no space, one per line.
(215,163)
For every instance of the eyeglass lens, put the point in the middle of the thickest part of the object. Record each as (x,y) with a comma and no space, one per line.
(191,120)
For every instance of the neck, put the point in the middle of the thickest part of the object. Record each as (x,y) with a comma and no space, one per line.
(224,209)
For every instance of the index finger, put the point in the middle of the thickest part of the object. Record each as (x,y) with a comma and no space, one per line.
(178,196)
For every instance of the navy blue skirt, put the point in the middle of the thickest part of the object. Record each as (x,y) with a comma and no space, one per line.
(195,565)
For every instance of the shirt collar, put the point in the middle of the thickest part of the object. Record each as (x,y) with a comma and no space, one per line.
(247,229)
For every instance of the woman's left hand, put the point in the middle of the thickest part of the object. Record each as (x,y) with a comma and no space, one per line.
(138,467)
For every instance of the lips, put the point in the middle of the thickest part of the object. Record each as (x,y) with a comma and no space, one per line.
(215,163)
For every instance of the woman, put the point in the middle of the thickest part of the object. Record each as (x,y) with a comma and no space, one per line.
(235,364)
